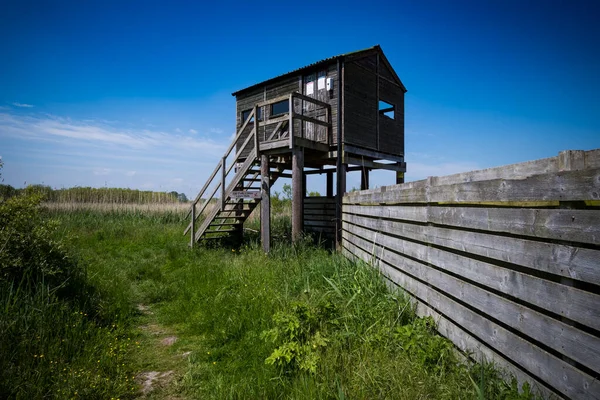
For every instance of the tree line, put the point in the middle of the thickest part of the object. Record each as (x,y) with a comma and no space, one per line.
(95,195)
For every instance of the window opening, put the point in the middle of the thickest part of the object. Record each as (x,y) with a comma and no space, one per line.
(281,107)
(386,109)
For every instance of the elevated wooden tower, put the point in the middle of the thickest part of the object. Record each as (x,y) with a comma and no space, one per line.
(344,113)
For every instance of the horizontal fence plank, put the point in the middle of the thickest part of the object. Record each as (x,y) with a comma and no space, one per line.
(563,376)
(410,213)
(563,338)
(581,226)
(562,260)
(461,338)
(559,186)
(567,301)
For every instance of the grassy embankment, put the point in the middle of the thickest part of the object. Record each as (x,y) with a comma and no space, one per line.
(299,323)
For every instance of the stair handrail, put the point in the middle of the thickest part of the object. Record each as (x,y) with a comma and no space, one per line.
(227,152)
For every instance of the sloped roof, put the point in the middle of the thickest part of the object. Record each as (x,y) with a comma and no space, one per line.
(354,54)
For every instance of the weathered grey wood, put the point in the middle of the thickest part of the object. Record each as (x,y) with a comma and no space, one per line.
(364,179)
(274,100)
(311,120)
(372,164)
(375,155)
(476,349)
(557,186)
(581,226)
(223,177)
(563,338)
(555,258)
(256,146)
(408,213)
(265,206)
(550,369)
(575,304)
(245,194)
(311,100)
(297,193)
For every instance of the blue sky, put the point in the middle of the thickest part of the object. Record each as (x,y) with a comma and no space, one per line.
(138,94)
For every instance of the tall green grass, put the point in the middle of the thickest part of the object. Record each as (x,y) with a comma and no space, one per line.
(62,336)
(299,323)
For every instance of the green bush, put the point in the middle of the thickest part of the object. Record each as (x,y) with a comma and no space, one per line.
(57,339)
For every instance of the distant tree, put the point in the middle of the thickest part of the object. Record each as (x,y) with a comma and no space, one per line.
(314,194)
(182,198)
(287,191)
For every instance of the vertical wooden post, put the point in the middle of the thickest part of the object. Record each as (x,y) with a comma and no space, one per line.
(399,177)
(297,193)
(193,231)
(256,131)
(330,184)
(265,204)
(223,176)
(291,121)
(341,189)
(364,179)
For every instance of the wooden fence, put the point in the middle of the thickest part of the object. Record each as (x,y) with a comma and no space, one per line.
(319,216)
(506,260)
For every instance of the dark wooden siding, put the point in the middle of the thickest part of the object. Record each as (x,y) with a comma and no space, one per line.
(308,129)
(319,216)
(391,131)
(246,101)
(360,106)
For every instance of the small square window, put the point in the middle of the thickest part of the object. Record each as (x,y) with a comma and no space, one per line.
(386,109)
(246,113)
(281,107)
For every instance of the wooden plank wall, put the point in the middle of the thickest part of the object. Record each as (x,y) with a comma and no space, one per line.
(507,260)
(319,216)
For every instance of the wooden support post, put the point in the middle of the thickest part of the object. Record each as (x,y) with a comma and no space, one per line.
(399,177)
(364,179)
(297,193)
(291,121)
(256,145)
(223,176)
(341,189)
(304,186)
(193,230)
(330,184)
(265,204)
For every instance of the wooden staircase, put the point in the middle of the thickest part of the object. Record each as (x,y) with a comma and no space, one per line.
(237,199)
(233,190)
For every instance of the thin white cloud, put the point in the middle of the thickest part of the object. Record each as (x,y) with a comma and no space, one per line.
(23,105)
(177,130)
(130,173)
(193,131)
(46,127)
(218,131)
(101,171)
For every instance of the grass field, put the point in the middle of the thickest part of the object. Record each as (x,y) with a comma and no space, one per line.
(144,312)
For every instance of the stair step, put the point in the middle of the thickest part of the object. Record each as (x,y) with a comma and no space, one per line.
(220,231)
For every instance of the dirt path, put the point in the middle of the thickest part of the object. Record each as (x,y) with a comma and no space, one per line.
(162,359)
